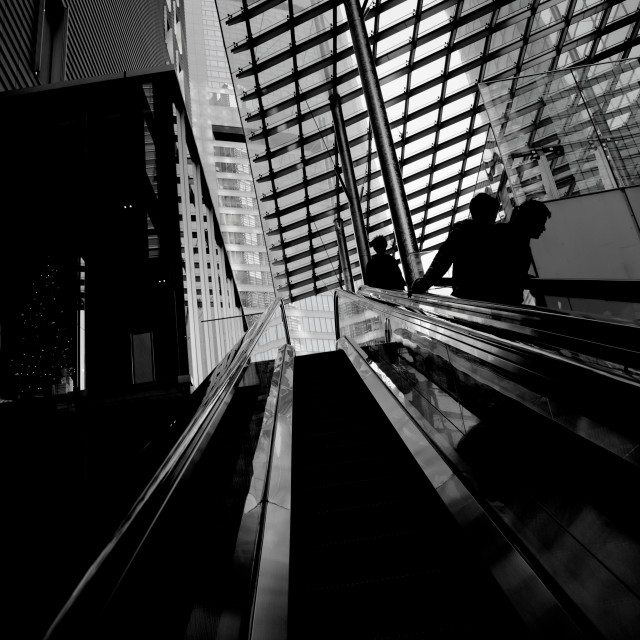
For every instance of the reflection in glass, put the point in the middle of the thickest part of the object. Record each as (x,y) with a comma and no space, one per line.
(568,132)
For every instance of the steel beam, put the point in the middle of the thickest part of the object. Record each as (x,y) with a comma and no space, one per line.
(391,175)
(343,254)
(350,183)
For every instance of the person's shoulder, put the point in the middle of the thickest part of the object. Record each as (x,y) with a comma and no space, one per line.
(463,228)
(463,225)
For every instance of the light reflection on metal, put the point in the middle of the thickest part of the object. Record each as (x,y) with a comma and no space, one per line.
(532,599)
(272,490)
(469,357)
(219,385)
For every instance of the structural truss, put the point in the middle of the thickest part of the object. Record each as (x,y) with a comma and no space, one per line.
(287,58)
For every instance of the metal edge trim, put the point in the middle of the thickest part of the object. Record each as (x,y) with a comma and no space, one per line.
(271,597)
(537,606)
(195,436)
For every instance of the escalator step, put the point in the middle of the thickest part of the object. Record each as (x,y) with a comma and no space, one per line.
(374,552)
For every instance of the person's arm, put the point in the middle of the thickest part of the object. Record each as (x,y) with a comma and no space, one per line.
(440,265)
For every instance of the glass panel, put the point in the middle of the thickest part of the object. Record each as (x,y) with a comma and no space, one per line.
(567,132)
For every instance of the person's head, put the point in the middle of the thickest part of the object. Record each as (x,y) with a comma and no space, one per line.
(531,218)
(484,208)
(379,244)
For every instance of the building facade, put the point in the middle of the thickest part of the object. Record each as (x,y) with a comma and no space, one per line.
(227,155)
(119,182)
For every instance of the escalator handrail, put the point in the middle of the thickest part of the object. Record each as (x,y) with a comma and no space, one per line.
(541,373)
(131,533)
(584,288)
(614,342)
(557,350)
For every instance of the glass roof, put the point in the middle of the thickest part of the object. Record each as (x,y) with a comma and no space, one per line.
(288,57)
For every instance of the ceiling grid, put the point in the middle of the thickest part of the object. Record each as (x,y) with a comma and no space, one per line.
(430,57)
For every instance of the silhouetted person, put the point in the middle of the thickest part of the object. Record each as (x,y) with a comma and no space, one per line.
(382,269)
(467,248)
(513,251)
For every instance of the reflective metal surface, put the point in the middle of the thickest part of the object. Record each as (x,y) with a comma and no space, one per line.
(216,392)
(271,603)
(271,493)
(546,442)
(538,607)
(609,345)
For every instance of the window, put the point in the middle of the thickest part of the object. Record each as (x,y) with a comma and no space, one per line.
(233,184)
(232,167)
(238,202)
(230,152)
(252,239)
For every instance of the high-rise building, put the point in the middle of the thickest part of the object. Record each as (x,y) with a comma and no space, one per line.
(216,109)
(225,156)
(120,182)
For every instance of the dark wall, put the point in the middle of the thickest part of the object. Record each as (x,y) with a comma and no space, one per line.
(75,160)
(18,26)
(102,38)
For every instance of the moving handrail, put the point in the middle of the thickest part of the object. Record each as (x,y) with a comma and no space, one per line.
(609,290)
(103,576)
(612,346)
(583,387)
(516,421)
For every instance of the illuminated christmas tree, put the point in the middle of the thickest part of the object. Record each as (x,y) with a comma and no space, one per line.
(45,341)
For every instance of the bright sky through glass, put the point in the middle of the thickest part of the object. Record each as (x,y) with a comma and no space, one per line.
(429,58)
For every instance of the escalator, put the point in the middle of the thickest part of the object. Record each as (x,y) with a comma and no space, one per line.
(449,470)
(374,551)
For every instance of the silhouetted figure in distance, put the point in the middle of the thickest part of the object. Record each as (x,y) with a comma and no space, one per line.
(469,249)
(513,251)
(382,269)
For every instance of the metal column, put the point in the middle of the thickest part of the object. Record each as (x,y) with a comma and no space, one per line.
(343,254)
(350,184)
(389,166)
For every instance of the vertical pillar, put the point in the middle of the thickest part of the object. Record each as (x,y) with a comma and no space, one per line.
(350,184)
(343,254)
(389,165)
(547,176)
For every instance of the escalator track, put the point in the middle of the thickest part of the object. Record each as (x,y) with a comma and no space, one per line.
(479,516)
(374,551)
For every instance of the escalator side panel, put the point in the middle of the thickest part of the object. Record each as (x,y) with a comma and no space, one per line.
(538,607)
(374,550)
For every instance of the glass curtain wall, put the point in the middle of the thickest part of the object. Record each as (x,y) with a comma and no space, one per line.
(568,133)
(225,157)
